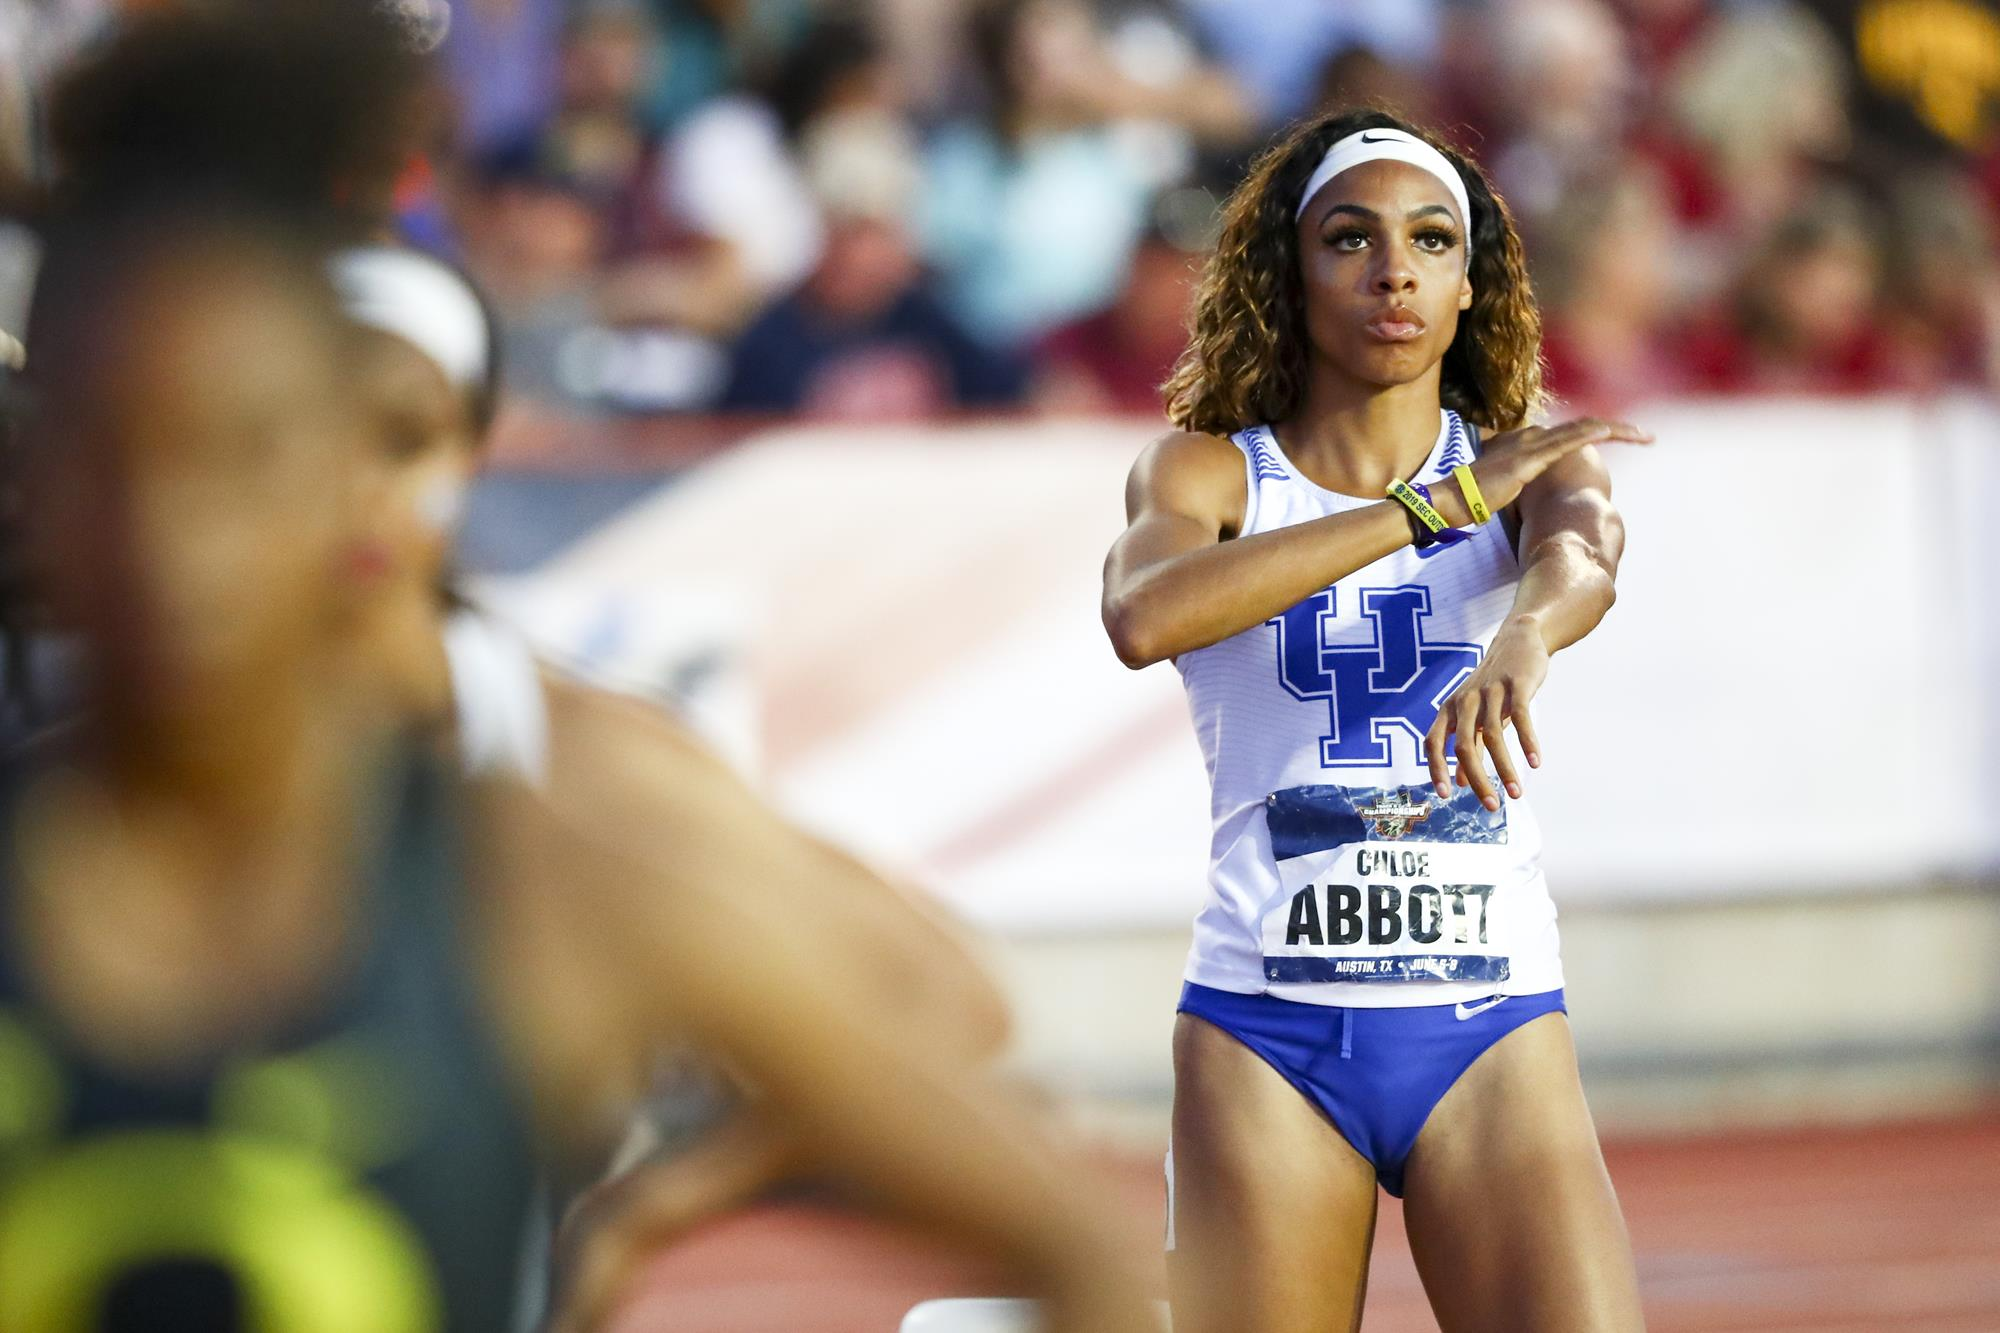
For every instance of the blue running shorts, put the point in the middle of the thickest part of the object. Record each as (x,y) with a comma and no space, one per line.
(1375,1073)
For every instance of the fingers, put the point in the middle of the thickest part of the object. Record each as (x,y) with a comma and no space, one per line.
(1541,449)
(1573,435)
(1519,456)
(1624,432)
(1476,720)
(1434,745)
(1524,731)
(1552,442)
(1472,772)
(1493,736)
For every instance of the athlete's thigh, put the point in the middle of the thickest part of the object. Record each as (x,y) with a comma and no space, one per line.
(1273,1211)
(1510,1211)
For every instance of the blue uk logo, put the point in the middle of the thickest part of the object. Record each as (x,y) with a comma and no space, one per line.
(1374,691)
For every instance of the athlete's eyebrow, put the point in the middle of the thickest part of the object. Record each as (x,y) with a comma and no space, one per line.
(1370,215)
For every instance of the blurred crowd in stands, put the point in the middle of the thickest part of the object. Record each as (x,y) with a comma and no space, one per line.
(887,209)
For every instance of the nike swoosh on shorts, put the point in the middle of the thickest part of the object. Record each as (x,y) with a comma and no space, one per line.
(1465,1011)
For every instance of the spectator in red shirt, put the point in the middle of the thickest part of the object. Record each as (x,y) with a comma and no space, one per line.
(1560,80)
(1757,113)
(1117,359)
(1605,275)
(1943,328)
(1803,319)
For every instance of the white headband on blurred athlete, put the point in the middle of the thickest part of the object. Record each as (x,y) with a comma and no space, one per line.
(1391,146)
(421,301)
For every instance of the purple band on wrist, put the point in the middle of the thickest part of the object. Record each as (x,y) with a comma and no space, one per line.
(1443,536)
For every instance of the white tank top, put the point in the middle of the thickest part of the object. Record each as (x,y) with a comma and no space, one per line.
(496,687)
(1336,875)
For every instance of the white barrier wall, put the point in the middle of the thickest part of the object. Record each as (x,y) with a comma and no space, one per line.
(1789,694)
(1792,694)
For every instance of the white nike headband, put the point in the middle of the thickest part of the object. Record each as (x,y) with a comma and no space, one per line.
(420,301)
(1387,145)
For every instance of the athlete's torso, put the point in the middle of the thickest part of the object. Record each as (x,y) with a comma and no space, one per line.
(1336,874)
(364,1166)
(502,705)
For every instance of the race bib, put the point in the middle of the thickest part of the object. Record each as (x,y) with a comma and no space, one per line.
(1384,884)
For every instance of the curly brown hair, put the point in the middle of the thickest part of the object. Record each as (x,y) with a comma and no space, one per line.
(1246,359)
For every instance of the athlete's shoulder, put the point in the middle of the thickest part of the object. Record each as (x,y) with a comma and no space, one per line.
(1190,451)
(601,730)
(1189,472)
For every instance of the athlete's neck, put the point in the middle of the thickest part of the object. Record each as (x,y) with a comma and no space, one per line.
(1355,438)
(239,771)
(397,650)
(423,670)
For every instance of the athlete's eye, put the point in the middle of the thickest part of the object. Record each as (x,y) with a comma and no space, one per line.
(1348,238)
(1436,240)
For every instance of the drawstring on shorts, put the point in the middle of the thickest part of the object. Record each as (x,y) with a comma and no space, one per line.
(1347,1034)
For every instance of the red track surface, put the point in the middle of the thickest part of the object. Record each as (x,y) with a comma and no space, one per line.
(1891,1227)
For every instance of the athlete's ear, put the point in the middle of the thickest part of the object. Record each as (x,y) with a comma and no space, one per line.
(1465,289)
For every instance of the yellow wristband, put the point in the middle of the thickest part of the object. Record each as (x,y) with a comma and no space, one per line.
(1468,486)
(1413,500)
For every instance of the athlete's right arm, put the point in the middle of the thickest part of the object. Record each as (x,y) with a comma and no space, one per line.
(1175,581)
(621,765)
(650,938)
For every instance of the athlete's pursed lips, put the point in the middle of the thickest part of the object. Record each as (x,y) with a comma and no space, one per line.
(1396,324)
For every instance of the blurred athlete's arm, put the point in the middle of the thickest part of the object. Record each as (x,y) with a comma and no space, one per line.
(915,976)
(1571,542)
(1173,583)
(615,1226)
(664,941)
(914,966)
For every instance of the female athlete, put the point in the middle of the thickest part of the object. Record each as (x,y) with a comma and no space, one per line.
(1374,994)
(425,357)
(285,1051)
(693,844)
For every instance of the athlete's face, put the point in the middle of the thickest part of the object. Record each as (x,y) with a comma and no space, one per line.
(418,462)
(197,483)
(1382,253)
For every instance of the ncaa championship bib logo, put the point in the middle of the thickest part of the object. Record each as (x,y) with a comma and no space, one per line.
(1376,690)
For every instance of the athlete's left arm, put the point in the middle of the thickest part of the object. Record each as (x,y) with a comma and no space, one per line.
(1571,540)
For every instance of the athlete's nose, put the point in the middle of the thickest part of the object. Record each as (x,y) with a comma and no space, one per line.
(1396,274)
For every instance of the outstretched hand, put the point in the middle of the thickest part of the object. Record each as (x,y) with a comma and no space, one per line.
(1509,461)
(1479,711)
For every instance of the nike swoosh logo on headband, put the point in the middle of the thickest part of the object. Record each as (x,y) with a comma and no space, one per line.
(1387,138)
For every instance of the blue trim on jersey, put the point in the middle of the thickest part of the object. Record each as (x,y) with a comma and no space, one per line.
(1377,1074)
(1266,467)
(1457,449)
